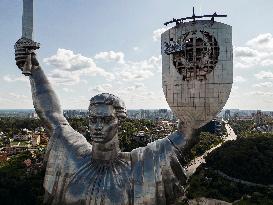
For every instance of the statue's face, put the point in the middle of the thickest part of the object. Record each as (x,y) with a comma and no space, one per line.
(103,123)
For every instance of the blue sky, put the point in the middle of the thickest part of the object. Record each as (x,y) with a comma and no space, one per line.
(91,46)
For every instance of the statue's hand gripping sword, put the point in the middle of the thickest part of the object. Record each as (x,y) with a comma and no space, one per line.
(26,41)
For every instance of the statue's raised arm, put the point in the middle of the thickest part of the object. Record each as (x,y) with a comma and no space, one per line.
(47,105)
(45,100)
(66,146)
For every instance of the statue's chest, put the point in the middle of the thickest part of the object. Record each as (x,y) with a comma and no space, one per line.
(100,182)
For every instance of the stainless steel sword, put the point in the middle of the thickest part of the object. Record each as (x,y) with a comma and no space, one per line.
(27,19)
(26,41)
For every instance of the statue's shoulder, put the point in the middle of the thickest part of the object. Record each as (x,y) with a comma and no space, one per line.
(65,130)
(162,148)
(158,147)
(71,139)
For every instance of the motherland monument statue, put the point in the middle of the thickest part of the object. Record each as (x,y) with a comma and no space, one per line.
(79,172)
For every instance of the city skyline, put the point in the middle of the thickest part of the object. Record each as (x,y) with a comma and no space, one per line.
(90,47)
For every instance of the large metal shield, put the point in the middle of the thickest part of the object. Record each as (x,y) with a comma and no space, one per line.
(197,69)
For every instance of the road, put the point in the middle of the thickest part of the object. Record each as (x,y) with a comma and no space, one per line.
(201,160)
(241,181)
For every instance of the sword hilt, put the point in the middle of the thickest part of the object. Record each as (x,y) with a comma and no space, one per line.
(29,46)
(27,66)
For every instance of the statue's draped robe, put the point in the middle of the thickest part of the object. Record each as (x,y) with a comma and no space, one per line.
(146,175)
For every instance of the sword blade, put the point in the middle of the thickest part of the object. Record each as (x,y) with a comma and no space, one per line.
(27,19)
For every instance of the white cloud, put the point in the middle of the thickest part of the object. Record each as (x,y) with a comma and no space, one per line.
(111,56)
(135,75)
(18,96)
(136,86)
(267,62)
(140,70)
(245,52)
(15,100)
(64,77)
(70,67)
(66,60)
(106,87)
(247,57)
(264,75)
(139,85)
(135,95)
(234,87)
(259,52)
(76,102)
(239,79)
(132,70)
(157,33)
(135,48)
(261,93)
(68,90)
(263,42)
(10,79)
(263,85)
(141,97)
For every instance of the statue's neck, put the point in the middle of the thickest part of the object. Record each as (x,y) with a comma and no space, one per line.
(106,151)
